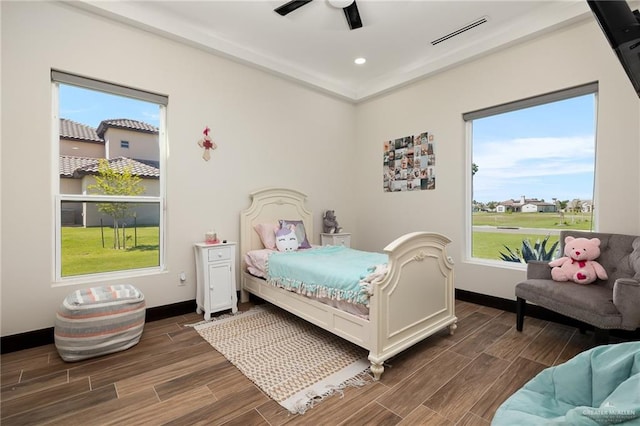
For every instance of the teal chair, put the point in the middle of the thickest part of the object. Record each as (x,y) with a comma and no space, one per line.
(600,386)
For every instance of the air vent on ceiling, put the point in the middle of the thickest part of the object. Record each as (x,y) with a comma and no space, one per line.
(461,30)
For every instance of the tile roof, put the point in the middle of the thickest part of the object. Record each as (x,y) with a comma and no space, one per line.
(70,166)
(125,123)
(72,130)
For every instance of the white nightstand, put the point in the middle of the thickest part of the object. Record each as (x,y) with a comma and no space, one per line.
(339,239)
(216,278)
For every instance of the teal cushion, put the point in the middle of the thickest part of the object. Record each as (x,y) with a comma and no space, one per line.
(599,386)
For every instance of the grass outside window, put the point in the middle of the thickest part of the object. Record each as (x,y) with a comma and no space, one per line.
(489,244)
(552,221)
(83,251)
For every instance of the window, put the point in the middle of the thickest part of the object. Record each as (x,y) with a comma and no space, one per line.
(532,171)
(110,178)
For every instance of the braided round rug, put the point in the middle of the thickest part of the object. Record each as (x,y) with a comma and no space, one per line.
(294,362)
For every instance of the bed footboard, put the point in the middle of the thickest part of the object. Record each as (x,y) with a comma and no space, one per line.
(416,297)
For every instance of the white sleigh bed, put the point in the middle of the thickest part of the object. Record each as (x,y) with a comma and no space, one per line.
(413,301)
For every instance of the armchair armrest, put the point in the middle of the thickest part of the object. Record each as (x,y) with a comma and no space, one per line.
(626,298)
(540,270)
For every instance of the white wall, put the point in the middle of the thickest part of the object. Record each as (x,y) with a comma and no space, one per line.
(260,122)
(270,132)
(81,149)
(562,59)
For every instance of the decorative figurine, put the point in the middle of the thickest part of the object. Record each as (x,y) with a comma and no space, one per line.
(207,143)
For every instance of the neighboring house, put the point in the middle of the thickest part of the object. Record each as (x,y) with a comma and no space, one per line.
(587,206)
(526,205)
(80,140)
(124,143)
(129,138)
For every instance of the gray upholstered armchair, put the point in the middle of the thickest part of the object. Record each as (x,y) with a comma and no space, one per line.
(606,305)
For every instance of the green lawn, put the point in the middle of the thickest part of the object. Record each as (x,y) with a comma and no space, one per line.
(82,251)
(488,245)
(534,220)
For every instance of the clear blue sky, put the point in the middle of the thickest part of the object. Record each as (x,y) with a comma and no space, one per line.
(91,107)
(541,152)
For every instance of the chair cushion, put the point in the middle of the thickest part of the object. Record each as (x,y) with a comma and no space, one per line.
(599,386)
(591,303)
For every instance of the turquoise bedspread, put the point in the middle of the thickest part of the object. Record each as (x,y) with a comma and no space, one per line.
(598,387)
(334,272)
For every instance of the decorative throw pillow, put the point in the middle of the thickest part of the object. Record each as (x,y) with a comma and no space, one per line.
(301,233)
(286,239)
(267,233)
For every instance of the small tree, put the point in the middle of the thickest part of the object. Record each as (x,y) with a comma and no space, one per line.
(116,182)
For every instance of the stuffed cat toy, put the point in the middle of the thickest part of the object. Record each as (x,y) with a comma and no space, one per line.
(579,263)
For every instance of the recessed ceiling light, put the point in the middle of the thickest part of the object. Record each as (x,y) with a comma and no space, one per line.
(360,61)
(340,4)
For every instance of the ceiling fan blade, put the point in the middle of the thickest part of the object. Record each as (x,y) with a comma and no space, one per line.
(353,16)
(291,6)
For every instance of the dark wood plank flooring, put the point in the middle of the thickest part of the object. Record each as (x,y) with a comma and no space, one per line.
(174,377)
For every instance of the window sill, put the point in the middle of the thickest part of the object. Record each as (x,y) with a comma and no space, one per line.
(107,276)
(501,264)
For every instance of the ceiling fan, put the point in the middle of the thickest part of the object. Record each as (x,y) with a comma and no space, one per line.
(349,7)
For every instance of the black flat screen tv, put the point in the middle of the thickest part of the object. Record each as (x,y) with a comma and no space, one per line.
(621,27)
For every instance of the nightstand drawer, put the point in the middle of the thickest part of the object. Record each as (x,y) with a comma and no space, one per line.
(219,253)
(341,239)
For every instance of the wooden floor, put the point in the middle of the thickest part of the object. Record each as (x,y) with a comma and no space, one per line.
(174,377)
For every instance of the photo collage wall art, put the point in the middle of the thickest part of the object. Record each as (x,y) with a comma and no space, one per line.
(409,163)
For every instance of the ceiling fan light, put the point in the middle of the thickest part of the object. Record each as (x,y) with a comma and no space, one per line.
(340,4)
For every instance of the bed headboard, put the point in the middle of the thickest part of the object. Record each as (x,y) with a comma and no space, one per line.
(268,206)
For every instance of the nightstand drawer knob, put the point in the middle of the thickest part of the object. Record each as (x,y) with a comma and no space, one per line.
(219,253)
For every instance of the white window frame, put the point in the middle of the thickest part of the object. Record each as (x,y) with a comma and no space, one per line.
(58,77)
(585,89)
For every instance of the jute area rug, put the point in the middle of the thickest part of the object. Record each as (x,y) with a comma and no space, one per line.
(294,362)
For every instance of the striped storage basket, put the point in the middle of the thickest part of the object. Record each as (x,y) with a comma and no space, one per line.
(99,320)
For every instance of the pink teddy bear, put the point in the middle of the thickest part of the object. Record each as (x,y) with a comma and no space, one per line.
(579,264)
